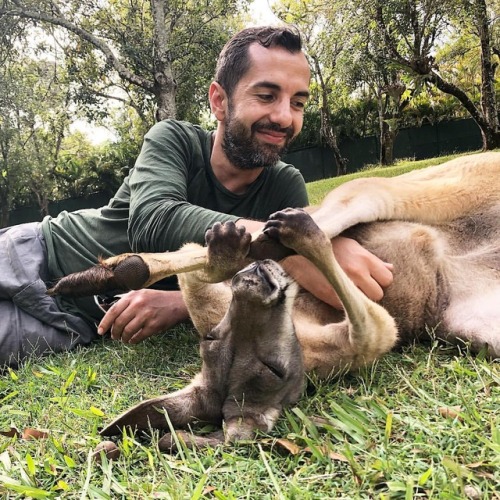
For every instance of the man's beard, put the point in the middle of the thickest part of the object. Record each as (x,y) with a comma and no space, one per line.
(245,152)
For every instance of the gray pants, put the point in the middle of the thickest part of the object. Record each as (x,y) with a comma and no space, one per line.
(31,323)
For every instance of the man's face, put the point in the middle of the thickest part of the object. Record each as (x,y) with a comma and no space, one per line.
(265,112)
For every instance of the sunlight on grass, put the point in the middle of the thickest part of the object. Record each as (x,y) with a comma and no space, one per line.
(318,189)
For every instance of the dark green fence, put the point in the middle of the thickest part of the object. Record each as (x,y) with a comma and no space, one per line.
(30,214)
(423,142)
(317,162)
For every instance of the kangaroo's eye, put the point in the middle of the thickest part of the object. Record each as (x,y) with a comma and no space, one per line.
(275,370)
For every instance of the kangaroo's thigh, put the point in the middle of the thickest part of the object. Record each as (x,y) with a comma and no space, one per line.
(475,319)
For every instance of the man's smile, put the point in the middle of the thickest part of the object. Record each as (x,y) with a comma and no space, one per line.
(273,137)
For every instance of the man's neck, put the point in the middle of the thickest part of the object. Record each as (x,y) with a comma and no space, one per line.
(234,179)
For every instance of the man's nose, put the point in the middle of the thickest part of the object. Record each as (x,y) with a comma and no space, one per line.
(281,113)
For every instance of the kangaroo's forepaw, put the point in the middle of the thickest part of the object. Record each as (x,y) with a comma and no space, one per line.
(228,248)
(294,228)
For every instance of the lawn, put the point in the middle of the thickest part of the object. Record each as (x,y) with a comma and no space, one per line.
(421,423)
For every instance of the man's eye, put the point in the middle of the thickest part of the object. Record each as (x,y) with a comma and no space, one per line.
(265,97)
(299,104)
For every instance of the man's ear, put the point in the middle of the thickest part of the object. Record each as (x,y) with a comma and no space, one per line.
(218,101)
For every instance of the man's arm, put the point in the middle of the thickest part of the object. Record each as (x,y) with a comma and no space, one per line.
(175,197)
(162,217)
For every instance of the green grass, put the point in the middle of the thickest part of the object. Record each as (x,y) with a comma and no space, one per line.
(318,189)
(420,423)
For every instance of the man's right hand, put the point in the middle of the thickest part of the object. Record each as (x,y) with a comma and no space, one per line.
(139,314)
(370,274)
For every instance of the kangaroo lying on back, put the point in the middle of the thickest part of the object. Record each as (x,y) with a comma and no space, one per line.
(440,227)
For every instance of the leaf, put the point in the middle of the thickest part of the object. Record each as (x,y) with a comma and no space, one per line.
(29,433)
(97,411)
(31,465)
(476,465)
(69,462)
(332,455)
(425,477)
(9,396)
(388,427)
(295,449)
(5,461)
(27,491)
(68,382)
(62,485)
(459,470)
(289,446)
(12,432)
(451,412)
(91,413)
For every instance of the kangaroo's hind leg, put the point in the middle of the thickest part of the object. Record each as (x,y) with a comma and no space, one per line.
(475,319)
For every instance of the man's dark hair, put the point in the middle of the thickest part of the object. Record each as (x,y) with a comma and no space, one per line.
(234,61)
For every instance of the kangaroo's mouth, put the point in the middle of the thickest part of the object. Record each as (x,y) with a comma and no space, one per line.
(263,280)
(267,271)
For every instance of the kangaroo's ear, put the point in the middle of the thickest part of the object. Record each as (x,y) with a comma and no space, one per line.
(191,404)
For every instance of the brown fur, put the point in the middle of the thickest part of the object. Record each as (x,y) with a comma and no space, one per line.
(440,227)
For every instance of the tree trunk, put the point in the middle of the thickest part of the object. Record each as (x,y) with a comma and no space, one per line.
(488,101)
(330,137)
(387,140)
(165,99)
(165,85)
(327,130)
(490,137)
(490,132)
(4,215)
(387,136)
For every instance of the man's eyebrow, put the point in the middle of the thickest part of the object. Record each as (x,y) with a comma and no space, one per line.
(275,86)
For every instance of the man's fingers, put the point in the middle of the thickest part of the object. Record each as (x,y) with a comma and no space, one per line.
(126,326)
(382,274)
(141,335)
(111,315)
(371,288)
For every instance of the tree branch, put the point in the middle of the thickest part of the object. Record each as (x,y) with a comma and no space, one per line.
(124,73)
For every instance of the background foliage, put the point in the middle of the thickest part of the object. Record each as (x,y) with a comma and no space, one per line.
(377,67)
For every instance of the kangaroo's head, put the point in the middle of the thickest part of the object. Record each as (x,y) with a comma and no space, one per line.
(251,364)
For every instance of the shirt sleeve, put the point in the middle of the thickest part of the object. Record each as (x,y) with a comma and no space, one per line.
(161,218)
(165,211)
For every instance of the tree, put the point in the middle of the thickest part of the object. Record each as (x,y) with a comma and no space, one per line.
(365,68)
(34,120)
(411,29)
(321,24)
(145,48)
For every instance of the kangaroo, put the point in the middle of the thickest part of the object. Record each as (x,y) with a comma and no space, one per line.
(439,226)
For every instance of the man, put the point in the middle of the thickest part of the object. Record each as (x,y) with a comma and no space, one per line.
(185,179)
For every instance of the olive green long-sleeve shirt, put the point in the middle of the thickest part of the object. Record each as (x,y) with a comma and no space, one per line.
(170,197)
